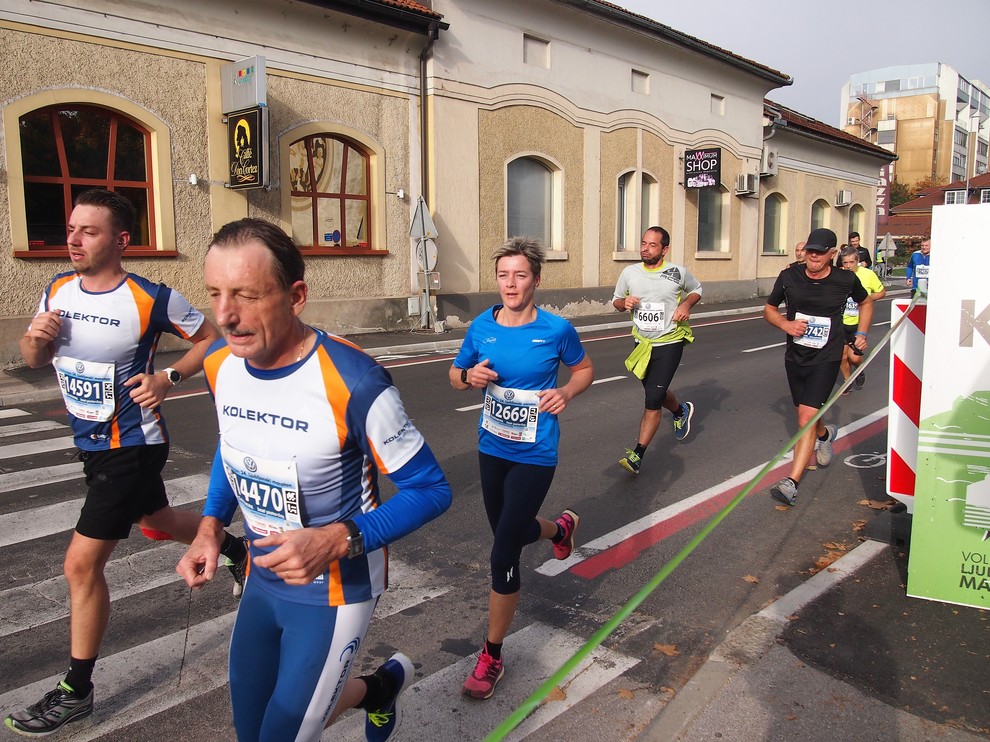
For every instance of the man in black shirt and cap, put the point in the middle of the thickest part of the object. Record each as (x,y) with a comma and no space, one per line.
(816,293)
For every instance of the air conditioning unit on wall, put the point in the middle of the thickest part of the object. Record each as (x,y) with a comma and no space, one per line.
(843,198)
(747,184)
(768,161)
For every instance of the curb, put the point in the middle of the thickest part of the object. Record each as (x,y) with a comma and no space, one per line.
(748,642)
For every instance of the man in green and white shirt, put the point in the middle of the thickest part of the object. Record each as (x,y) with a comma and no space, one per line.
(659,296)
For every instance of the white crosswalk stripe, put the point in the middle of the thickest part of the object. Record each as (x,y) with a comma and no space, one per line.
(34,448)
(179,667)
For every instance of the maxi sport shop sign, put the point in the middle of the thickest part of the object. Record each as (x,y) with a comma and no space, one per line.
(950,549)
(703,167)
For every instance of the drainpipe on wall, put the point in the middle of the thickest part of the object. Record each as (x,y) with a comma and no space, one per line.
(424,56)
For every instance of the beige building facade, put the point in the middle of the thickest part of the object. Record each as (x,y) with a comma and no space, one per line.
(565,119)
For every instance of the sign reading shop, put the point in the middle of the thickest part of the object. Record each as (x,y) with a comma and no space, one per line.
(246,153)
(702,167)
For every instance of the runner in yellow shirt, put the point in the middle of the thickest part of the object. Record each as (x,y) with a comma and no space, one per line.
(849,258)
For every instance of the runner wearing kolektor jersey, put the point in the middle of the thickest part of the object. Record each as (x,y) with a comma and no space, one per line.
(816,296)
(918,267)
(306,421)
(659,295)
(99,326)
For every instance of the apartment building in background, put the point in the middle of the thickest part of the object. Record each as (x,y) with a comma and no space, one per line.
(935,120)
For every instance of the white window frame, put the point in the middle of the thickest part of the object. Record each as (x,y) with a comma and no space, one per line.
(721,243)
(553,244)
(955,197)
(780,228)
(825,213)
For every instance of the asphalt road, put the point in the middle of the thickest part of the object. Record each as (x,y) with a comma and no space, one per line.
(162,668)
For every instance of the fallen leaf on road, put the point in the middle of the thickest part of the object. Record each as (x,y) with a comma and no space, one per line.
(751,578)
(832,546)
(626,694)
(556,695)
(668,649)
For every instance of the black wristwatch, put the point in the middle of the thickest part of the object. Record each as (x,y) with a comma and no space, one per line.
(355,541)
(172,375)
(464,376)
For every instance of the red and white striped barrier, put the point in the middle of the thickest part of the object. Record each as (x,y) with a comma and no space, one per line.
(907,358)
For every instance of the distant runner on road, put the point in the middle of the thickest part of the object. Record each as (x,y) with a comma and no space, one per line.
(659,296)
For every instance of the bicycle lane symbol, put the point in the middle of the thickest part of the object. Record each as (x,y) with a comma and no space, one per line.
(866,460)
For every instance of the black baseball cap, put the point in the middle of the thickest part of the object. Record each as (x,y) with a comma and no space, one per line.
(821,240)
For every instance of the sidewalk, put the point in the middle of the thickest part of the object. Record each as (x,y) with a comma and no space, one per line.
(846,656)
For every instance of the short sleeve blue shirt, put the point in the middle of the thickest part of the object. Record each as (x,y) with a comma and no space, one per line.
(525,358)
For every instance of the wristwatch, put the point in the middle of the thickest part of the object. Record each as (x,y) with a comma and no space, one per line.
(355,541)
(464,376)
(172,375)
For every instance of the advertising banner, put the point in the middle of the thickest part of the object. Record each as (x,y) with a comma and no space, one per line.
(950,548)
(702,167)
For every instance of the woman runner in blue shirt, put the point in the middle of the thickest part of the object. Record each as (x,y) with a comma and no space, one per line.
(513,351)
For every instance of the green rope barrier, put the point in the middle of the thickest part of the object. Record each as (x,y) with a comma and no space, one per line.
(532,703)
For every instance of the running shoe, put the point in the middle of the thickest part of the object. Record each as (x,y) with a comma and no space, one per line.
(481,683)
(568,522)
(860,380)
(823,449)
(381,724)
(239,571)
(784,491)
(58,708)
(682,424)
(631,461)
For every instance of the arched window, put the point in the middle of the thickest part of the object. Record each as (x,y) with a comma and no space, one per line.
(635,215)
(710,222)
(773,224)
(530,200)
(67,149)
(819,214)
(857,220)
(329,178)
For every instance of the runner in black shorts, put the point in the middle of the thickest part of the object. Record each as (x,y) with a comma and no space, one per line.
(816,295)
(99,326)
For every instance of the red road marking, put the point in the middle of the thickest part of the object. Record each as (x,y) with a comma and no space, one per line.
(629,550)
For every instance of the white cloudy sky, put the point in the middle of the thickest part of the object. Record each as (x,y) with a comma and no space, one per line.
(819,44)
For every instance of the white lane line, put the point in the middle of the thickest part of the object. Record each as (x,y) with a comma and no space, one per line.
(35,447)
(13,412)
(25,525)
(765,347)
(145,680)
(21,480)
(8,431)
(438,710)
(608,379)
(469,407)
(553,567)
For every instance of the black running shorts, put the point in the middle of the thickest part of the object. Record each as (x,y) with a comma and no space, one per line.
(811,385)
(125,484)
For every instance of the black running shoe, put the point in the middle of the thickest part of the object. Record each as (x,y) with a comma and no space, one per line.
(55,710)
